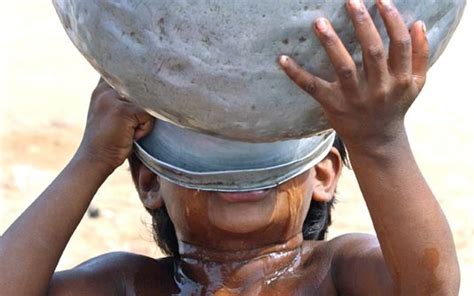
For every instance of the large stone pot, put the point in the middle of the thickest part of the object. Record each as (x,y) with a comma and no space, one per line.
(211,65)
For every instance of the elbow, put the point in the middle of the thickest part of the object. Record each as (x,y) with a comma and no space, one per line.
(445,280)
(449,281)
(441,272)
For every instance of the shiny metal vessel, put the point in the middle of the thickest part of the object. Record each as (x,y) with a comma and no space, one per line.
(211,65)
(197,161)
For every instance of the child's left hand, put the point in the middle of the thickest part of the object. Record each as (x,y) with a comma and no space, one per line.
(367,108)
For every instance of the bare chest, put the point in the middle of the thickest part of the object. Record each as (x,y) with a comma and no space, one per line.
(319,283)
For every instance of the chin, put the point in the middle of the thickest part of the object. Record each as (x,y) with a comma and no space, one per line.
(235,221)
(242,213)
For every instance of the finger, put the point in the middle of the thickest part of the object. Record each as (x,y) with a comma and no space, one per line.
(421,53)
(142,117)
(144,129)
(370,41)
(400,51)
(313,85)
(340,58)
(140,120)
(143,121)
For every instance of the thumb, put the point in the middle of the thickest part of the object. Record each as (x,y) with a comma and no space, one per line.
(146,122)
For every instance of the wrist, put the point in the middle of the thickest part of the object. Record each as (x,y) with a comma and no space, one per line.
(387,146)
(93,164)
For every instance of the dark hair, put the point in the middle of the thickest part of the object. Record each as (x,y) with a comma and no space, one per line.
(318,219)
(315,225)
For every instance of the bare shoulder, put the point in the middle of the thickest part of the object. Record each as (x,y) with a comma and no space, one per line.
(358,266)
(118,273)
(360,242)
(344,245)
(329,265)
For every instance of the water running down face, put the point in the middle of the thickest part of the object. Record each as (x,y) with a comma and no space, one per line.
(241,221)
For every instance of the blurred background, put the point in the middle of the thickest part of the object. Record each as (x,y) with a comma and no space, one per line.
(45,86)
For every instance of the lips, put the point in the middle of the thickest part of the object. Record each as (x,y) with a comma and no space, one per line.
(237,197)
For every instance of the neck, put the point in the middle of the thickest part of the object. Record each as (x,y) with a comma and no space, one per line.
(217,269)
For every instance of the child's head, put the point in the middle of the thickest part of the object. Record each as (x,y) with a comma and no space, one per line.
(211,219)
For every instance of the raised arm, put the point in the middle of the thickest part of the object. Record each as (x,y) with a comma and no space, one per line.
(31,247)
(367,110)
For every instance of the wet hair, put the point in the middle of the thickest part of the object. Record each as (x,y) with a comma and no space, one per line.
(315,225)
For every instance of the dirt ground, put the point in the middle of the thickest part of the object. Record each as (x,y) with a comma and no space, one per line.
(44,89)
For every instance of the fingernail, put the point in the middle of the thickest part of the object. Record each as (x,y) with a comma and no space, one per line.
(423,27)
(284,60)
(321,25)
(386,3)
(355,4)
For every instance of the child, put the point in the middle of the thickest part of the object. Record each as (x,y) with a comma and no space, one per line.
(252,243)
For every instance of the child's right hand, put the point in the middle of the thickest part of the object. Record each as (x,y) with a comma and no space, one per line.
(113,124)
(30,249)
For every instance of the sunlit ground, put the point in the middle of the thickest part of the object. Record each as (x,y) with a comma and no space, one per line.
(45,86)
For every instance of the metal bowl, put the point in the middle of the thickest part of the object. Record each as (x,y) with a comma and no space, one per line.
(198,161)
(211,65)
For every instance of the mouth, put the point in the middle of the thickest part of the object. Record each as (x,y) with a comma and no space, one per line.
(241,197)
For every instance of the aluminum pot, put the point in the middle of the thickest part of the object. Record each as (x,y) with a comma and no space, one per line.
(198,161)
(211,65)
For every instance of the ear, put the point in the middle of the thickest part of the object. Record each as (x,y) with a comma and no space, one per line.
(147,184)
(327,175)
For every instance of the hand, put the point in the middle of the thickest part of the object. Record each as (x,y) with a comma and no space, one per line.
(368,108)
(112,125)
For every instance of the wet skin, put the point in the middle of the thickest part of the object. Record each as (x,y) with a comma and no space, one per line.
(306,271)
(232,247)
(237,247)
(251,244)
(235,243)
(244,247)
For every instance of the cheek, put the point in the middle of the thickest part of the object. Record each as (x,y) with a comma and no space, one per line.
(187,209)
(197,215)
(294,199)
